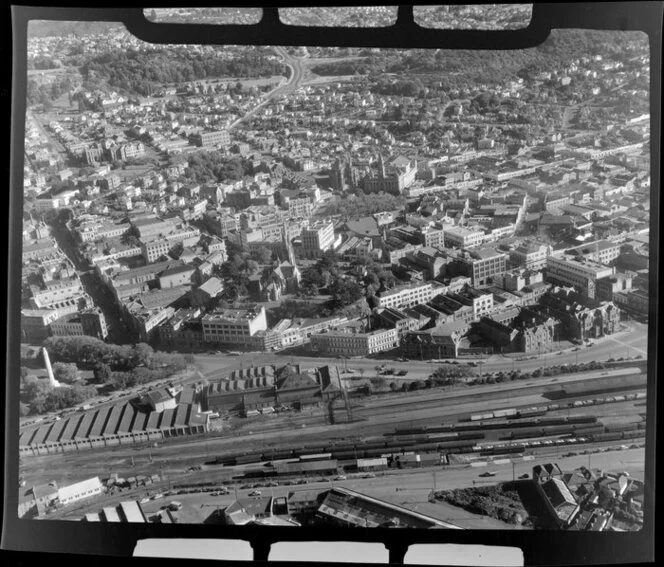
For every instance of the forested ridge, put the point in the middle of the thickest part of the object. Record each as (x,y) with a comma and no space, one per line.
(492,66)
(136,70)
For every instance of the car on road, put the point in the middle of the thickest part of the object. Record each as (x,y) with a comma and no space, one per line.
(369,475)
(340,477)
(255,493)
(523,476)
(487,474)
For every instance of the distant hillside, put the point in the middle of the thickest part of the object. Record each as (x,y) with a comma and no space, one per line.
(47,28)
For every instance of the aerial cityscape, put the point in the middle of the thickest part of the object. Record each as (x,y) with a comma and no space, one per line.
(310,286)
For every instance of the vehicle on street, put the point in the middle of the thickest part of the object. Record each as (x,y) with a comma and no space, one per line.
(487,474)
(369,475)
(340,477)
(523,476)
(255,493)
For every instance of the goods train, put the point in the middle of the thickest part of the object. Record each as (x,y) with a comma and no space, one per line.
(499,424)
(522,438)
(513,413)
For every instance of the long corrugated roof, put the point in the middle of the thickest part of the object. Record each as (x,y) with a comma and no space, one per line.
(84,425)
(127,419)
(55,431)
(71,427)
(113,419)
(100,421)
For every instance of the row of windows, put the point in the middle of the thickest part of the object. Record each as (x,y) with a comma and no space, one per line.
(226,332)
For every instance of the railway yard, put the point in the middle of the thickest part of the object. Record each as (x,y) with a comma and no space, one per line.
(444,433)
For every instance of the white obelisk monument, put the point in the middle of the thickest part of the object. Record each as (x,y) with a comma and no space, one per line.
(51,377)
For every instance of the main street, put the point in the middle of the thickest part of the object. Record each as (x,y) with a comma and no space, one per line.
(627,343)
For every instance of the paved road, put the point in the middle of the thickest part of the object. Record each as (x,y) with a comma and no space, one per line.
(623,344)
(408,487)
(286,87)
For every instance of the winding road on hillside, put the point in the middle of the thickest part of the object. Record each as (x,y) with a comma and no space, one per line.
(285,87)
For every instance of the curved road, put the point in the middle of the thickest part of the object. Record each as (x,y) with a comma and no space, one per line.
(293,82)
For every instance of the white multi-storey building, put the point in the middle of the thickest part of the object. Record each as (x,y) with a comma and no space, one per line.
(234,326)
(576,271)
(349,342)
(461,237)
(317,238)
(407,296)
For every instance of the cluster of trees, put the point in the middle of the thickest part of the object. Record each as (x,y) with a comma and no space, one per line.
(213,167)
(345,292)
(326,275)
(117,366)
(138,71)
(409,87)
(375,64)
(237,270)
(492,501)
(554,370)
(66,373)
(466,67)
(88,351)
(38,397)
(45,93)
(42,62)
(450,375)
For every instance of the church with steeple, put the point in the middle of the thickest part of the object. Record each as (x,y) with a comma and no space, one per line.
(280,279)
(399,174)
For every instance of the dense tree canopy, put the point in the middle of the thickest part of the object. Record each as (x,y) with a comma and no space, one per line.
(206,167)
(65,373)
(136,71)
(41,398)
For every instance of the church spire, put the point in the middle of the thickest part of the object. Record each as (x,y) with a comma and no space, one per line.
(381,165)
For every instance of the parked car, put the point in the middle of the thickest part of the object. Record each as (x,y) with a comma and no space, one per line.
(255,493)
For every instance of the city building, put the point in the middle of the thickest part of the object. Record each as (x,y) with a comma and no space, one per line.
(576,271)
(80,490)
(212,138)
(349,340)
(317,238)
(530,255)
(263,387)
(407,295)
(580,317)
(461,237)
(483,265)
(234,325)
